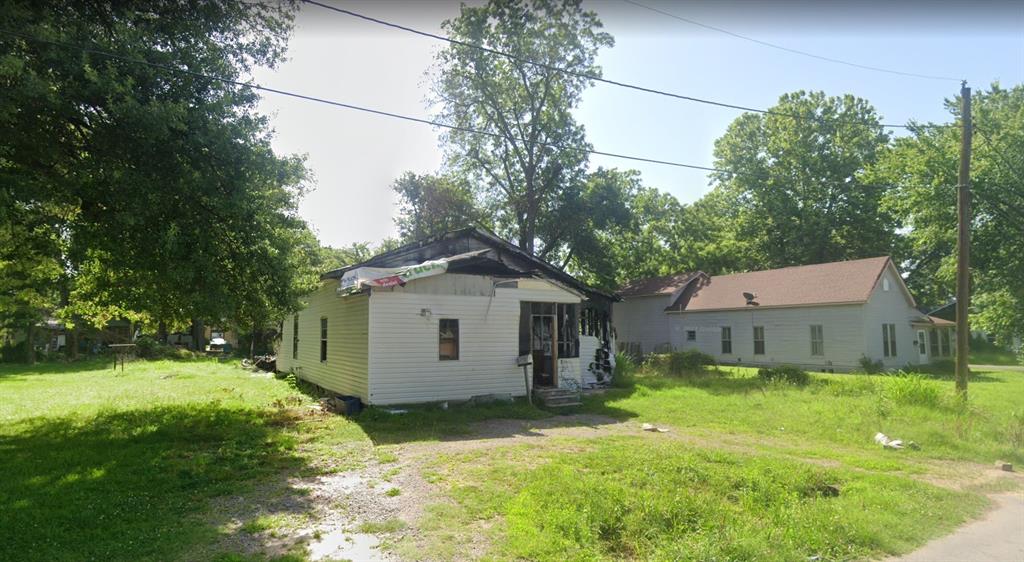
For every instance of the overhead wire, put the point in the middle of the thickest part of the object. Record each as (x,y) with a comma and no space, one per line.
(354,107)
(789,49)
(602,80)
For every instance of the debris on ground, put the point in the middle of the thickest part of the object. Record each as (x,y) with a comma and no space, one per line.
(345,405)
(652,427)
(884,440)
(1004,466)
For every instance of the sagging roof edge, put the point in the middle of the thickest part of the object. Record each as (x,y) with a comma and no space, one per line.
(486,237)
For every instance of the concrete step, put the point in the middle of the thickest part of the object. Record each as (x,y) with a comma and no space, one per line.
(557,397)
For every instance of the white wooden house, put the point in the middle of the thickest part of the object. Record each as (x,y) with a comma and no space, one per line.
(448,318)
(823,317)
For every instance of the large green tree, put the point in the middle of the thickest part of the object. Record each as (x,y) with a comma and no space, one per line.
(432,204)
(530,149)
(160,186)
(924,168)
(795,180)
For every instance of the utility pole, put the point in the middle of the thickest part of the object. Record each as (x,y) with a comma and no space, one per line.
(963,243)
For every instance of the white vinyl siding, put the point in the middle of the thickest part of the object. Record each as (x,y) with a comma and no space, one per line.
(642,321)
(405,366)
(786,335)
(890,307)
(345,368)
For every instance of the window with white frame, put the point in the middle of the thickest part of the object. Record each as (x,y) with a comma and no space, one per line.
(817,339)
(889,340)
(758,340)
(944,347)
(691,335)
(726,340)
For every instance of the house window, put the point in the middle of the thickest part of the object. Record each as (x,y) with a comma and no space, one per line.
(691,335)
(944,342)
(885,284)
(817,340)
(323,340)
(933,341)
(726,340)
(889,340)
(295,336)
(758,340)
(448,339)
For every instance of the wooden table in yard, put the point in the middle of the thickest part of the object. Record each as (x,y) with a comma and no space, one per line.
(121,350)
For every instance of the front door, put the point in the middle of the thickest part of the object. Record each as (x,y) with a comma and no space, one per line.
(922,348)
(542,344)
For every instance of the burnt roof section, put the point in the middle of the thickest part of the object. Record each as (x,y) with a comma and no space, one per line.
(652,286)
(805,285)
(503,258)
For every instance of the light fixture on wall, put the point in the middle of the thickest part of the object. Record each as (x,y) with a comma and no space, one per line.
(425,312)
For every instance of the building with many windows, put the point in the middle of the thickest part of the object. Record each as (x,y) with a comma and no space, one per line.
(823,317)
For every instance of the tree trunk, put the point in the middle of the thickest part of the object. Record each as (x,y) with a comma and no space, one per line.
(252,343)
(30,344)
(73,342)
(198,335)
(161,332)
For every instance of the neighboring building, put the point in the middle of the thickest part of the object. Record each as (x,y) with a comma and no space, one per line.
(448,318)
(641,326)
(825,316)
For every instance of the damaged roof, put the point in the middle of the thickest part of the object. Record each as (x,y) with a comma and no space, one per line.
(843,282)
(651,286)
(482,252)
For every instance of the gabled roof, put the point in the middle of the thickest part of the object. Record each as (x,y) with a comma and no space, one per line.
(501,258)
(844,282)
(650,286)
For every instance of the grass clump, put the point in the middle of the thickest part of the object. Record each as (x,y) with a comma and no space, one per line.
(631,499)
(392,492)
(912,389)
(870,366)
(785,374)
(625,369)
(679,363)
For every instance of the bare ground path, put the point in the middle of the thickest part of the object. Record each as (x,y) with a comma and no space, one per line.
(997,537)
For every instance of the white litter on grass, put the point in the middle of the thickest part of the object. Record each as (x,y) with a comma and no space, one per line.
(883,440)
(651,427)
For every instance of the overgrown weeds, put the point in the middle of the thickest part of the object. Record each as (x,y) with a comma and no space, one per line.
(789,374)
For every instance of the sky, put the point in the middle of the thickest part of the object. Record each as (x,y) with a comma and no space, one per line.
(354,157)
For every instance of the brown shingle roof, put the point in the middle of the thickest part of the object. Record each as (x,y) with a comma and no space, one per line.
(650,286)
(804,285)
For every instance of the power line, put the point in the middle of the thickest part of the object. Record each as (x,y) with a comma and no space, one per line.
(594,77)
(791,50)
(357,107)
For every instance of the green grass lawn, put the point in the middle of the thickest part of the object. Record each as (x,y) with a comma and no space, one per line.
(112,466)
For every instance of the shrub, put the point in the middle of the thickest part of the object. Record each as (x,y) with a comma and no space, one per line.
(870,366)
(784,373)
(625,368)
(689,361)
(912,389)
(148,348)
